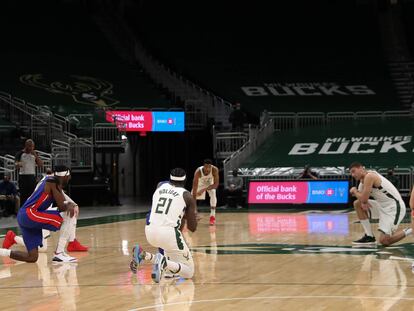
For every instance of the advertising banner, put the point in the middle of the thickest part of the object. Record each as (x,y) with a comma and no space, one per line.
(298,192)
(147,121)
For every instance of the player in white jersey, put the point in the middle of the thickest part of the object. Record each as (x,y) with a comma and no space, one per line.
(377,198)
(172,204)
(206,179)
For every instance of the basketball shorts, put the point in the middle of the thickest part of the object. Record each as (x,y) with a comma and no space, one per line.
(172,242)
(389,215)
(211,194)
(32,222)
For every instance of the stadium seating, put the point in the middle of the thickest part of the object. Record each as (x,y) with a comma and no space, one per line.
(334,64)
(376,143)
(63,61)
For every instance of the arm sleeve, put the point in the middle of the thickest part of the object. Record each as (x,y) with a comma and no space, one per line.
(18,156)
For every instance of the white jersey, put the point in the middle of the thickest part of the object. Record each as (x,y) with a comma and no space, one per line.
(386,193)
(168,206)
(28,161)
(205,180)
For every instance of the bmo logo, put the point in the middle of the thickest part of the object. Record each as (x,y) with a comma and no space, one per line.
(329,192)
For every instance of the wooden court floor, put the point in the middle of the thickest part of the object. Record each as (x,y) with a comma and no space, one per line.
(248,261)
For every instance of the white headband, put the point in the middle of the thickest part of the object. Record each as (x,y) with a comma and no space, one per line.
(176,178)
(62,174)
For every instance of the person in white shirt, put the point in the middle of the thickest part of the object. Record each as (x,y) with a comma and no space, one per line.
(206,179)
(26,161)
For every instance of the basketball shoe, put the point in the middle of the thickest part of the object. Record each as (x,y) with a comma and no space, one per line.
(75,246)
(63,257)
(212,220)
(9,239)
(158,267)
(137,257)
(365,240)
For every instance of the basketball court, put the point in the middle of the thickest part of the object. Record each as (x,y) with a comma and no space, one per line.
(248,261)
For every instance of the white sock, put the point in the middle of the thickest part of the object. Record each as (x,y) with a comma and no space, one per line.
(66,231)
(5,252)
(180,269)
(213,212)
(149,256)
(61,245)
(19,240)
(408,231)
(367,227)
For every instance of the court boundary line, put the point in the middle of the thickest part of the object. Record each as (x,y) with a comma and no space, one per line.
(271,298)
(211,283)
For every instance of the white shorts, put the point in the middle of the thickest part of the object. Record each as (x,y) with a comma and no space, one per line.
(172,242)
(211,194)
(389,215)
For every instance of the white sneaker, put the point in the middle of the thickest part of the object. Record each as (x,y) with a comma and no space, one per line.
(158,267)
(63,257)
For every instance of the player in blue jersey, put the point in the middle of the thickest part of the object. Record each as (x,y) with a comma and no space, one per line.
(33,217)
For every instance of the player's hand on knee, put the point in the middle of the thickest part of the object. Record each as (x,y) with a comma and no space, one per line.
(70,209)
(365,206)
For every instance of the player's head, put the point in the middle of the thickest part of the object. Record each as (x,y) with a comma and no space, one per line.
(177,176)
(235,172)
(63,173)
(6,177)
(357,170)
(207,166)
(29,145)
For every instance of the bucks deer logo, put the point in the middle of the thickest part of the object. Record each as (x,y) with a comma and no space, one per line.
(84,90)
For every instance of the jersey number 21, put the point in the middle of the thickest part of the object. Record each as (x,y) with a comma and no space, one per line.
(161,205)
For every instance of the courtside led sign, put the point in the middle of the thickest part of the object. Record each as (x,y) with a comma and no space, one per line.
(298,192)
(147,121)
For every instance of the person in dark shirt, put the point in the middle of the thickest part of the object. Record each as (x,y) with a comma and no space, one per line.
(392,178)
(234,188)
(9,200)
(237,118)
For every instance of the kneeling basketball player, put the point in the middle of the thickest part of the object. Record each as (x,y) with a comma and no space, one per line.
(377,198)
(171,202)
(33,217)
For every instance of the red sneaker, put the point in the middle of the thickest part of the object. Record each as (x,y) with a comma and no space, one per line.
(9,239)
(75,246)
(212,220)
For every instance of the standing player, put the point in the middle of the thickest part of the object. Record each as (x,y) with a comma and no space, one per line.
(386,205)
(206,179)
(33,217)
(171,202)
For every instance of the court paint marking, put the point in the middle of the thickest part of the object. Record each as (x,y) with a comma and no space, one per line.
(272,297)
